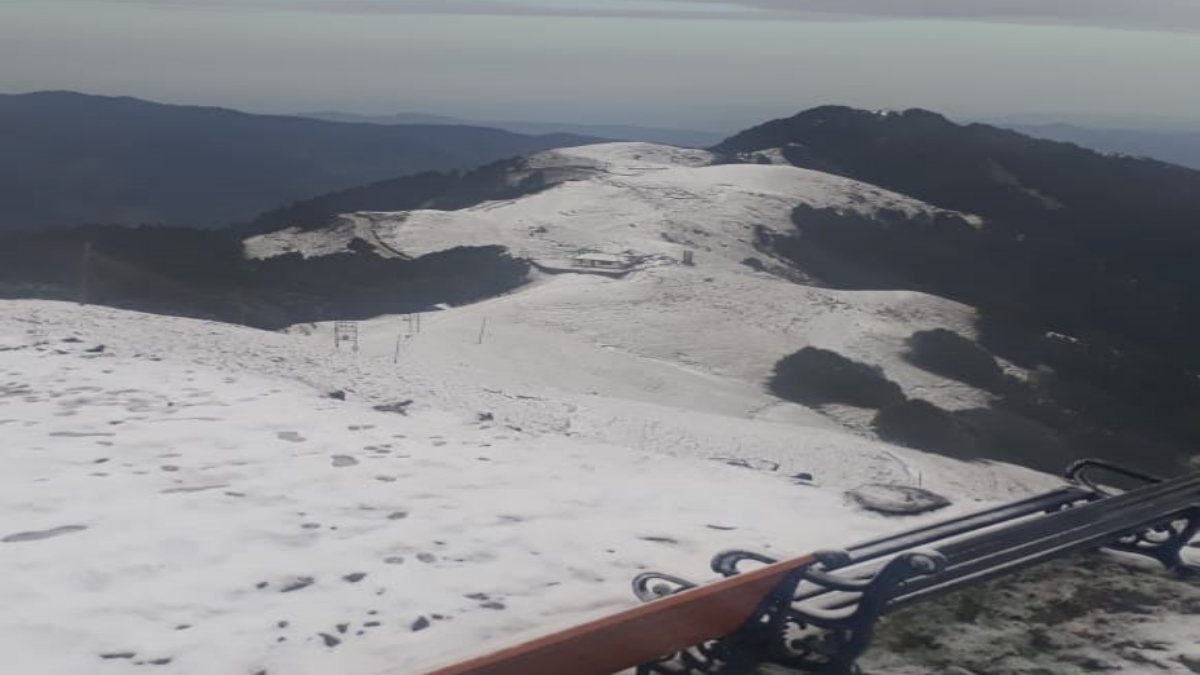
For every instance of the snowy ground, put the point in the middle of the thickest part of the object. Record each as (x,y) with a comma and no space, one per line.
(189,500)
(620,361)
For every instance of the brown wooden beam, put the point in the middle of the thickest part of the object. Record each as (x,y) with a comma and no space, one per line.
(639,635)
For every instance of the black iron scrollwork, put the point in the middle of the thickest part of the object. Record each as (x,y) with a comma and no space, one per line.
(785,629)
(1165,542)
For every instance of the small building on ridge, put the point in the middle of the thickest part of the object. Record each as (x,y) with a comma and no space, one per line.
(604,261)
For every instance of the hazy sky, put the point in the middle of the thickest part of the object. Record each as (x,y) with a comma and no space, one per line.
(687,63)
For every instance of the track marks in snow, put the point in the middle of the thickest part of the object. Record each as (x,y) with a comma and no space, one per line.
(43,534)
(187,518)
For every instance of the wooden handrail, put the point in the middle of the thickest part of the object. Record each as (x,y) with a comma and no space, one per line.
(639,635)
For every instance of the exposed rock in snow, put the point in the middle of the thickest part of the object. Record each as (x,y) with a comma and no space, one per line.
(897,500)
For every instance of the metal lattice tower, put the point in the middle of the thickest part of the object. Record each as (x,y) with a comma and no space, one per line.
(345,333)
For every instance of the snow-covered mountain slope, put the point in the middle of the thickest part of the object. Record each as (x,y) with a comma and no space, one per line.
(190,498)
(720,319)
(185,497)
(682,377)
(638,197)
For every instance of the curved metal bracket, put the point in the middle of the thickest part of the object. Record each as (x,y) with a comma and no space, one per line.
(649,586)
(782,631)
(1165,542)
(1078,472)
(726,563)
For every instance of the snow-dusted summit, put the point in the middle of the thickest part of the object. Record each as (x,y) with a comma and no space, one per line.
(615,197)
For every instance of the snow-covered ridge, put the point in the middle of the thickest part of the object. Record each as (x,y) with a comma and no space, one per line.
(718,318)
(623,157)
(656,200)
(658,204)
(311,243)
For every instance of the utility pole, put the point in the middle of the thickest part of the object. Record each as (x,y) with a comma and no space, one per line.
(401,336)
(85,272)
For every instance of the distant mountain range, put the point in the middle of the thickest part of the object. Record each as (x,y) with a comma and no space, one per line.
(687,138)
(1177,147)
(71,158)
(1085,230)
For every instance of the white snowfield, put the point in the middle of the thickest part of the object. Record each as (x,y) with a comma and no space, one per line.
(189,500)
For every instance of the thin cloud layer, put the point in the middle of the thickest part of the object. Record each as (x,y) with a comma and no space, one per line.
(1171,15)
